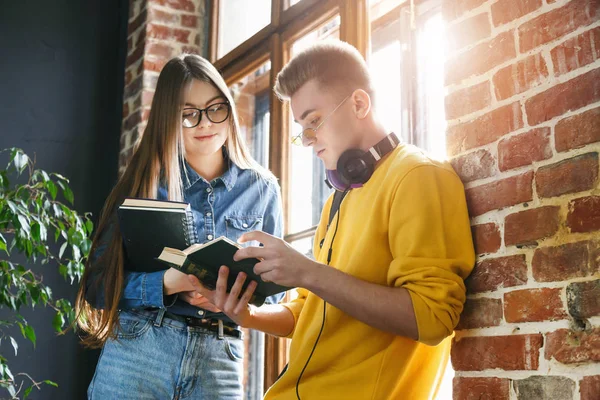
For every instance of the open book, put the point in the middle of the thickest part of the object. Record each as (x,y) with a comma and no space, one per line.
(205,260)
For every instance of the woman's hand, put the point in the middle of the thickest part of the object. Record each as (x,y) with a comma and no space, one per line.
(197,300)
(175,281)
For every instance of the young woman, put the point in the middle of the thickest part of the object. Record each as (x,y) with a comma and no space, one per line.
(160,339)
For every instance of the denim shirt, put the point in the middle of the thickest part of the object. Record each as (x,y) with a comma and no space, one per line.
(237,202)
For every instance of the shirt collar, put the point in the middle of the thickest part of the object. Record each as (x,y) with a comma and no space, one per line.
(229,177)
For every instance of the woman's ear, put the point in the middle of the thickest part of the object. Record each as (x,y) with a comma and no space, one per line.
(361,103)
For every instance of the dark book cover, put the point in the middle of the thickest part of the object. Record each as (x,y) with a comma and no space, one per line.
(146,230)
(206,261)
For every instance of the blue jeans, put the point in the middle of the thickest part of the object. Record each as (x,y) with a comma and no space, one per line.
(156,357)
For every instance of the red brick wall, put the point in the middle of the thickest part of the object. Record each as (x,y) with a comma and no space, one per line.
(523,110)
(158,30)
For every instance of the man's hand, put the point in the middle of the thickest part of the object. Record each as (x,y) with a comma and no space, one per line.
(231,304)
(280,263)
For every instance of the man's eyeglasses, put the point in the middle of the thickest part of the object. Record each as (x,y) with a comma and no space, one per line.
(308,135)
(216,113)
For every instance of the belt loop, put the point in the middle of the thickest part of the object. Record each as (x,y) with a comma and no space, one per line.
(220,335)
(159,317)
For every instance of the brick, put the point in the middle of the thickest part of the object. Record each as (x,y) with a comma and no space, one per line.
(132,121)
(520,76)
(155,65)
(147,97)
(137,102)
(589,387)
(134,57)
(469,100)
(559,99)
(469,31)
(583,299)
(133,88)
(480,388)
(584,214)
(476,165)
(505,11)
(574,175)
(163,17)
(528,226)
(533,305)
(181,5)
(557,23)
(510,353)
(162,32)
(160,50)
(486,129)
(570,347)
(481,58)
(576,52)
(500,194)
(480,313)
(496,273)
(567,261)
(454,9)
(128,78)
(486,238)
(189,21)
(544,388)
(140,20)
(524,149)
(577,131)
(125,110)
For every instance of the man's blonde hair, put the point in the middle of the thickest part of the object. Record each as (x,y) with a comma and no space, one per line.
(335,65)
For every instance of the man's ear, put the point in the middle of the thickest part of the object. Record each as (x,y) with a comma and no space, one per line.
(361,103)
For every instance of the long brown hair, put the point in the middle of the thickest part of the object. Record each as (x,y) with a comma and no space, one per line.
(156,161)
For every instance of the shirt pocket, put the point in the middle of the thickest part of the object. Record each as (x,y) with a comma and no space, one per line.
(237,225)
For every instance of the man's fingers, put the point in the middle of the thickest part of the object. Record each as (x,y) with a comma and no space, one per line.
(249,252)
(259,236)
(243,303)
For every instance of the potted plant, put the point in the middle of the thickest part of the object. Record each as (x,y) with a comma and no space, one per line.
(37,231)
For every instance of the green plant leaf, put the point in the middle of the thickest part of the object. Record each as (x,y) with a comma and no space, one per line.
(62,249)
(24,225)
(58,321)
(52,189)
(15,345)
(27,392)
(21,161)
(47,382)
(68,193)
(30,334)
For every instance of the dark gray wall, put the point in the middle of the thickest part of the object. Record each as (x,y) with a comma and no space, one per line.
(61,84)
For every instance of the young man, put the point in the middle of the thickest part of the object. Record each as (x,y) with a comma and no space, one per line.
(377,306)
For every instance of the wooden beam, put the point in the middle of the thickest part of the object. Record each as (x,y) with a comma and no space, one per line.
(355,24)
(213,29)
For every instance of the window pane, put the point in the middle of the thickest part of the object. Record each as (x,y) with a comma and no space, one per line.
(239,20)
(308,189)
(431,53)
(251,96)
(389,65)
(292,2)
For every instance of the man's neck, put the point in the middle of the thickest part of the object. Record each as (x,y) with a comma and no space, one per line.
(373,135)
(208,167)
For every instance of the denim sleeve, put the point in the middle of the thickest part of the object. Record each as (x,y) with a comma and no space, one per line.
(140,289)
(273,224)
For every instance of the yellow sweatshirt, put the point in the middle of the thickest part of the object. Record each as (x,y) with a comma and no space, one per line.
(406,227)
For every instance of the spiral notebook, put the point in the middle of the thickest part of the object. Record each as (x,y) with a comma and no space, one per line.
(148,226)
